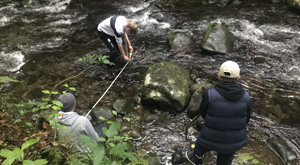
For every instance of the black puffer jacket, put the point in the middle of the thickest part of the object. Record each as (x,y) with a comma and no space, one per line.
(226,109)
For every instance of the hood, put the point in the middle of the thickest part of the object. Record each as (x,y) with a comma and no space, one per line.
(67,118)
(231,90)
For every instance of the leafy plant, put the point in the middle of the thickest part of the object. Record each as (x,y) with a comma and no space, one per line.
(5,79)
(245,157)
(94,59)
(114,148)
(19,154)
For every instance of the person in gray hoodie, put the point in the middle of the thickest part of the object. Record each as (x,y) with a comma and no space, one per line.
(75,124)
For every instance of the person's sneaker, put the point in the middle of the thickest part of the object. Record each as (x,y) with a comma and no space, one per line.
(189,156)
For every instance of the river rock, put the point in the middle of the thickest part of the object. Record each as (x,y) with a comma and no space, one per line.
(294,4)
(124,106)
(166,86)
(104,111)
(194,104)
(178,157)
(283,150)
(179,40)
(218,39)
(218,2)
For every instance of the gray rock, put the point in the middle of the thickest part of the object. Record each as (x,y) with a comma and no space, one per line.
(218,39)
(166,86)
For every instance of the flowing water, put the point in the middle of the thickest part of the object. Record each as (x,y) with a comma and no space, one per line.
(41,40)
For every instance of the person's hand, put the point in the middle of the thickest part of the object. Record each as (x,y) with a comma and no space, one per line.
(126,58)
(131,48)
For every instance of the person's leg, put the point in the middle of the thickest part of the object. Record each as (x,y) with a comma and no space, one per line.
(197,156)
(225,159)
(106,40)
(99,131)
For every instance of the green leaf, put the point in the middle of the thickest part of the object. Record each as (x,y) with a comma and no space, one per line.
(101,118)
(102,139)
(72,89)
(87,141)
(255,161)
(110,122)
(5,79)
(80,60)
(45,91)
(66,85)
(28,124)
(114,112)
(56,108)
(116,138)
(29,143)
(46,99)
(58,103)
(36,162)
(35,109)
(111,145)
(16,121)
(98,153)
(119,150)
(9,161)
(55,93)
(113,130)
(127,118)
(6,153)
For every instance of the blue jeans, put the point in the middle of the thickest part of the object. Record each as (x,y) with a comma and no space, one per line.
(222,158)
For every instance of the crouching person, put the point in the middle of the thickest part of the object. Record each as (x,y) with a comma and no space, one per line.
(72,125)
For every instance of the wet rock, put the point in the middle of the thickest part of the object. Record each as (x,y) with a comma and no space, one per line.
(194,88)
(282,148)
(124,106)
(153,159)
(218,39)
(218,2)
(179,40)
(166,86)
(295,4)
(194,104)
(136,133)
(151,117)
(104,111)
(178,157)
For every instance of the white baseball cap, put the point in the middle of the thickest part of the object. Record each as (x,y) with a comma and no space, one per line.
(230,69)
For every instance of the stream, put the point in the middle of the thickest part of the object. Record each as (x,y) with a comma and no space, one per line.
(41,40)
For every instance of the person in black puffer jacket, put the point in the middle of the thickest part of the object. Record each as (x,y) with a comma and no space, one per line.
(226,111)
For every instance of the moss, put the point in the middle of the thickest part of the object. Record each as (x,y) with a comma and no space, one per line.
(209,29)
(171,38)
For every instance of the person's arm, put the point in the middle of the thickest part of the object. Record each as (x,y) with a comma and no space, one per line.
(204,104)
(123,53)
(90,131)
(129,44)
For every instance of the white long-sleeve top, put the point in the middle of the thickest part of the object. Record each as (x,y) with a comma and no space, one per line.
(120,24)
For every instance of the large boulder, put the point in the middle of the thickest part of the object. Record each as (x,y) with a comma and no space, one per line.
(218,39)
(166,86)
(294,4)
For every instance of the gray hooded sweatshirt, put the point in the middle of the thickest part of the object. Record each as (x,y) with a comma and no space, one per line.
(76,125)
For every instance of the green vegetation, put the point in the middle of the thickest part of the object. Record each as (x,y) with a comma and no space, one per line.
(18,154)
(246,157)
(114,149)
